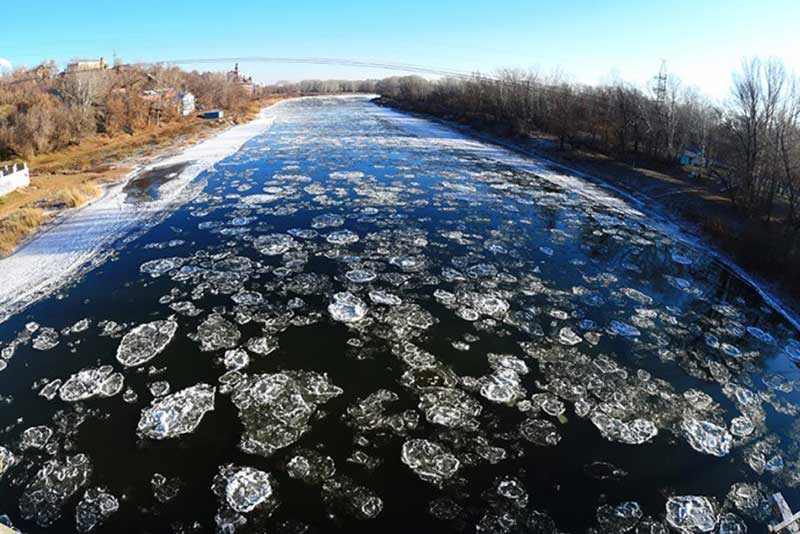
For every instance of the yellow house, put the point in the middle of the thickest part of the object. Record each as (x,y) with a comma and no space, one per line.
(80,65)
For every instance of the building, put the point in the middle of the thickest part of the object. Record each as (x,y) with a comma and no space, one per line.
(158,95)
(44,71)
(186,104)
(693,156)
(246,83)
(13,177)
(82,65)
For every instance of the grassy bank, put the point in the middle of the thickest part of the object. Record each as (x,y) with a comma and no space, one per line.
(701,202)
(74,176)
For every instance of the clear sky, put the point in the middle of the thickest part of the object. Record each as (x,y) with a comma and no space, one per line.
(701,40)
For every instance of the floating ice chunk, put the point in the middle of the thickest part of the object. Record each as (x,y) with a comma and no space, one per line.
(130,396)
(46,339)
(95,507)
(179,413)
(429,460)
(638,296)
(730,524)
(512,488)
(408,264)
(50,390)
(691,514)
(342,237)
(52,486)
(681,259)
(346,175)
(633,432)
(341,493)
(159,388)
(369,414)
(300,233)
(236,359)
(383,297)
(742,426)
(761,335)
(80,326)
(347,308)
(275,408)
(326,221)
(623,329)
(145,342)
(273,244)
(7,461)
(501,363)
(489,304)
(35,437)
(502,387)
(468,314)
(311,467)
(539,431)
(165,489)
(707,437)
(248,488)
(185,307)
(360,276)
(792,349)
(678,283)
(88,383)
(549,403)
(156,268)
(730,350)
(566,336)
(261,198)
(620,518)
(216,333)
(262,345)
(450,407)
(248,298)
(749,499)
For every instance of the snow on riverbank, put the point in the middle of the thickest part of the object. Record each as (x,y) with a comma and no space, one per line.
(80,240)
(574,181)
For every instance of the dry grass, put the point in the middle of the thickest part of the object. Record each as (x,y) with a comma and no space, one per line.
(15,227)
(78,195)
(72,177)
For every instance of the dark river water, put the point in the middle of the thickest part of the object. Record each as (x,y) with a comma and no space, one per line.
(356,327)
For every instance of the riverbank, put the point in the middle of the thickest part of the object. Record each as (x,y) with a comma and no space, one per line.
(698,205)
(79,238)
(71,178)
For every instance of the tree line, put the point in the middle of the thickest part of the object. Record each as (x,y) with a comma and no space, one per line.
(42,111)
(322,87)
(750,144)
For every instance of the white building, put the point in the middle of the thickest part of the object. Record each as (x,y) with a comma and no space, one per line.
(185,104)
(13,177)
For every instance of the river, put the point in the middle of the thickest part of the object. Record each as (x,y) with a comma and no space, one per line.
(366,322)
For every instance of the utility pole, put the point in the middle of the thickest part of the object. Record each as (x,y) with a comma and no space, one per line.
(661,100)
(661,85)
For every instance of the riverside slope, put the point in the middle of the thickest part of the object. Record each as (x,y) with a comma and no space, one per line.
(80,239)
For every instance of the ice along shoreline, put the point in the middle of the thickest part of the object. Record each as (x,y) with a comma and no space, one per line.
(80,240)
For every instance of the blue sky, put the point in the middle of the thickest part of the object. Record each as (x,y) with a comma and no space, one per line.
(702,41)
